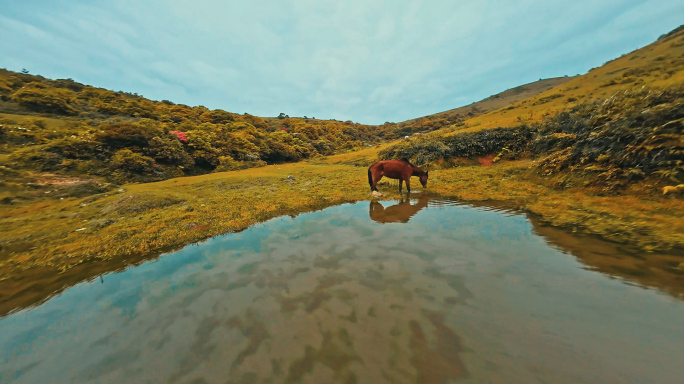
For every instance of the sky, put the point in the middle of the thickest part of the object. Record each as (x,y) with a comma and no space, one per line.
(368,61)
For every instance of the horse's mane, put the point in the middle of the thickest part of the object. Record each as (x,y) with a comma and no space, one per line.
(405,160)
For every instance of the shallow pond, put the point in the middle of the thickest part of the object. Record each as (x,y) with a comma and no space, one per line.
(422,291)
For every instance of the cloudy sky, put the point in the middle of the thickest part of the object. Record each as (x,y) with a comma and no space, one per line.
(369,61)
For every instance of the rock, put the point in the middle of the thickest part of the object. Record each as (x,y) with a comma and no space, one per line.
(376,194)
(673,189)
(291,178)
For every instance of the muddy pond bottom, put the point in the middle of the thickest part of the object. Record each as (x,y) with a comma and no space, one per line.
(421,291)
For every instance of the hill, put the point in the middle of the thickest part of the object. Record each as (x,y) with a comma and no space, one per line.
(616,124)
(658,64)
(60,138)
(493,102)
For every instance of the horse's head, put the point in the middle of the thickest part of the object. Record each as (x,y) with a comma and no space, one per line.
(423,179)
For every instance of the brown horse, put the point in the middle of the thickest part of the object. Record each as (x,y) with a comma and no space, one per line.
(395,169)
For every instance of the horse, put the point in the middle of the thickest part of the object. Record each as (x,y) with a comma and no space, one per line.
(395,169)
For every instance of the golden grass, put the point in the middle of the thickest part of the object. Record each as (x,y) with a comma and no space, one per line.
(500,100)
(363,157)
(646,221)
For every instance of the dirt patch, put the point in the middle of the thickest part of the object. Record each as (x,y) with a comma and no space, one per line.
(51,179)
(486,161)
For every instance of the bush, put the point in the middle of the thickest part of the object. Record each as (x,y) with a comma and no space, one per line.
(630,135)
(36,97)
(37,159)
(75,148)
(129,161)
(227,163)
(468,144)
(127,135)
(168,150)
(218,116)
(201,149)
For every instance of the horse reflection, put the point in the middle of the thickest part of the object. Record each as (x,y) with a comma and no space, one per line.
(397,213)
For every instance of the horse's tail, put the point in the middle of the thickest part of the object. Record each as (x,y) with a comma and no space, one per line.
(370,177)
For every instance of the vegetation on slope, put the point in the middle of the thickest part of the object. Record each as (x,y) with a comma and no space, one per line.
(494,102)
(636,134)
(66,128)
(660,64)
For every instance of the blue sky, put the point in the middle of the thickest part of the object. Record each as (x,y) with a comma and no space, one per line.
(367,61)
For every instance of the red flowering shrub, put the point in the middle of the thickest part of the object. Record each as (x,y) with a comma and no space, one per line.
(180,135)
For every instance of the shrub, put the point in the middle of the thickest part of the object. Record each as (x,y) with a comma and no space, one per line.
(468,144)
(167,150)
(218,116)
(201,149)
(180,135)
(37,159)
(227,163)
(36,97)
(129,161)
(127,135)
(75,148)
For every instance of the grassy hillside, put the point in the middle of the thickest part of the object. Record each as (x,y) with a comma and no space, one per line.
(64,128)
(656,65)
(617,124)
(634,135)
(494,102)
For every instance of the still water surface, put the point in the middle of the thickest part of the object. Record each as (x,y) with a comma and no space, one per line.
(424,291)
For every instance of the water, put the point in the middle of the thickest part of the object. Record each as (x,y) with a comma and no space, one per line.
(424,291)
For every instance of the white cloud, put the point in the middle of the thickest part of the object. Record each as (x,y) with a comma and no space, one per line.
(364,60)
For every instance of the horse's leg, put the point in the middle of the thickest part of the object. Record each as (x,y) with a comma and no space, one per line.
(400,182)
(376,180)
(408,186)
